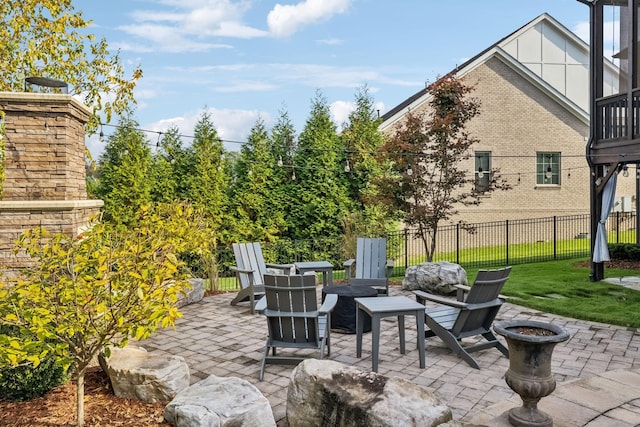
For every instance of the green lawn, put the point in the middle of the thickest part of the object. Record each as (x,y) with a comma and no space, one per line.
(564,288)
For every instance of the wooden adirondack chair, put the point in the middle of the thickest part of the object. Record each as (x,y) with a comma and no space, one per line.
(473,316)
(250,269)
(293,317)
(372,268)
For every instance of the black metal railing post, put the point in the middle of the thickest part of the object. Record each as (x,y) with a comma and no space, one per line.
(555,237)
(458,243)
(507,242)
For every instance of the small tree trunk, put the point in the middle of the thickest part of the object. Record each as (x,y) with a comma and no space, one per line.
(80,399)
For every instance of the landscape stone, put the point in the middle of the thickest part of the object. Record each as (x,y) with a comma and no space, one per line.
(220,401)
(325,392)
(437,278)
(195,294)
(149,377)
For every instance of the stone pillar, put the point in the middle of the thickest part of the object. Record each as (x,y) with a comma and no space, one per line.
(44,164)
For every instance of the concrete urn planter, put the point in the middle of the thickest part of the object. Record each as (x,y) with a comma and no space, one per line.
(531,344)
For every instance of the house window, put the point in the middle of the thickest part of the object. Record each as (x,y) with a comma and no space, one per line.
(548,169)
(482,171)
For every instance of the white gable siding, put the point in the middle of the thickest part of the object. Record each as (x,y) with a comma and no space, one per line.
(559,61)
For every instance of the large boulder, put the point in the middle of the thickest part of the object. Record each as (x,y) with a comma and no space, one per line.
(136,374)
(324,392)
(437,278)
(195,294)
(220,401)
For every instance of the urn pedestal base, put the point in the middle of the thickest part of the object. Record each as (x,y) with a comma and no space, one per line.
(531,345)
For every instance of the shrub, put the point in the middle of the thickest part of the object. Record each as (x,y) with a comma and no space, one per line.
(624,251)
(25,382)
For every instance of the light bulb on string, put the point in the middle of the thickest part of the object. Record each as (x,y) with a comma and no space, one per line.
(280,163)
(347,168)
(409,170)
(480,173)
(548,174)
(625,171)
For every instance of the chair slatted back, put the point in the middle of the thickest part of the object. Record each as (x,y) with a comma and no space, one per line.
(486,287)
(371,258)
(292,308)
(249,257)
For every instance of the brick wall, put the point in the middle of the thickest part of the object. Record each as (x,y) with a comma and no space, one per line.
(516,120)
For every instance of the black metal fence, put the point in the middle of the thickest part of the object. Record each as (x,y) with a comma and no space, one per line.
(487,244)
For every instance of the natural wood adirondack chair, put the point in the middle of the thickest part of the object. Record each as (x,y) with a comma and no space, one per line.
(293,317)
(372,268)
(250,270)
(470,317)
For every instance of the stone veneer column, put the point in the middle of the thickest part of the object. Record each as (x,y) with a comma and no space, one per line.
(44,163)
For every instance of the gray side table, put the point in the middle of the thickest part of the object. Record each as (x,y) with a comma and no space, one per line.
(379,307)
(325,267)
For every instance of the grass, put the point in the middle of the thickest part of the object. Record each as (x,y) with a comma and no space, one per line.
(564,288)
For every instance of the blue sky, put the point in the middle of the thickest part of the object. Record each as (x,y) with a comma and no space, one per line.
(245,59)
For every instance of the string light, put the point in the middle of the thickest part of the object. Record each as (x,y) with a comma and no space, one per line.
(480,173)
(625,171)
(280,161)
(347,168)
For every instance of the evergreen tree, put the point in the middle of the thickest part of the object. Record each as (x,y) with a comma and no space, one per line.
(362,141)
(321,193)
(254,200)
(283,145)
(124,169)
(168,168)
(206,179)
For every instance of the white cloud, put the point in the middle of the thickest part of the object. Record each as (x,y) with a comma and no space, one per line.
(246,86)
(340,111)
(167,37)
(330,42)
(285,20)
(233,126)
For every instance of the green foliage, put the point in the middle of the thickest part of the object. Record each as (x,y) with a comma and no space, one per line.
(25,382)
(624,251)
(125,168)
(48,38)
(2,152)
(320,189)
(99,289)
(169,168)
(257,197)
(206,178)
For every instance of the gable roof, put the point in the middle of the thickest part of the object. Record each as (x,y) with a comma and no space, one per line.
(503,50)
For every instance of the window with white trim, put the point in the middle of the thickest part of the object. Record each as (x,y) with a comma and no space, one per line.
(548,168)
(482,170)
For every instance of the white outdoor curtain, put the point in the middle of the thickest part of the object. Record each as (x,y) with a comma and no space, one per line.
(600,249)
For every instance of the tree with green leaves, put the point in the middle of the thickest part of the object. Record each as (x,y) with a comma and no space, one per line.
(362,140)
(125,170)
(283,144)
(320,190)
(48,38)
(87,293)
(426,180)
(206,179)
(256,197)
(169,168)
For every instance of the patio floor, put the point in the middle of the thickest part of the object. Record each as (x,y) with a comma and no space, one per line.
(217,339)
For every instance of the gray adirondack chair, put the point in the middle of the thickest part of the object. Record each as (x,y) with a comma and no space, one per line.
(371,266)
(468,317)
(250,269)
(294,319)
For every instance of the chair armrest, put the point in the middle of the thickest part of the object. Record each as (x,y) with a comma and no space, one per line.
(481,305)
(241,270)
(464,288)
(422,296)
(261,305)
(461,289)
(330,301)
(286,267)
(348,263)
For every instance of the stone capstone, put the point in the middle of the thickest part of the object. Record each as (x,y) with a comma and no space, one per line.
(324,392)
(151,378)
(220,401)
(195,294)
(437,278)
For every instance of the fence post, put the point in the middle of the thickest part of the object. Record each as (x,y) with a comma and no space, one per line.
(406,249)
(555,237)
(507,242)
(458,243)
